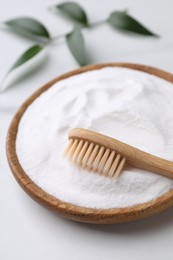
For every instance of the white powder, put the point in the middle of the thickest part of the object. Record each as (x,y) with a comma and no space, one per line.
(132,106)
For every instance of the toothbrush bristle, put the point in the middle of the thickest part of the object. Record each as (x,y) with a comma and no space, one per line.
(95,158)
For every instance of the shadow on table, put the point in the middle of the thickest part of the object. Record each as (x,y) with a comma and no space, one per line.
(152,224)
(148,225)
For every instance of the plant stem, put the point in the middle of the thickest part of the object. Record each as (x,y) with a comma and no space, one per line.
(95,24)
(57,37)
(89,26)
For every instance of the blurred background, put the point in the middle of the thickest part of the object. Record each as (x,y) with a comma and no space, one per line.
(27,231)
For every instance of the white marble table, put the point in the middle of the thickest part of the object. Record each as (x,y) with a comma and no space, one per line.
(28,231)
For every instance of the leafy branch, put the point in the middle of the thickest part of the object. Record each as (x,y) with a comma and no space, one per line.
(32,28)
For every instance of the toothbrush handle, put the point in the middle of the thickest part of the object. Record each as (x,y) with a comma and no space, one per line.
(134,156)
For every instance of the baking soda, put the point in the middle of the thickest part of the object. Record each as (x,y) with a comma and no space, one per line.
(131,106)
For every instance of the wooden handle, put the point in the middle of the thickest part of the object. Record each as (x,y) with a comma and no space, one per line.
(133,155)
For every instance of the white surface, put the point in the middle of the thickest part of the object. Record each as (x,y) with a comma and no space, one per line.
(28,231)
(131,106)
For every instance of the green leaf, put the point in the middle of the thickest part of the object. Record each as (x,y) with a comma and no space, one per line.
(26,56)
(74,12)
(75,42)
(123,21)
(29,26)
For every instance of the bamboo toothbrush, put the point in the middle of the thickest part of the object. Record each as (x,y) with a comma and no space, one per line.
(107,156)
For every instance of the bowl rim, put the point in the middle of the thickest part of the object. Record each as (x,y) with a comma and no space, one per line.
(68,210)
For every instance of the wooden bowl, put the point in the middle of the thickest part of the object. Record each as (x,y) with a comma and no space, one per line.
(67,210)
